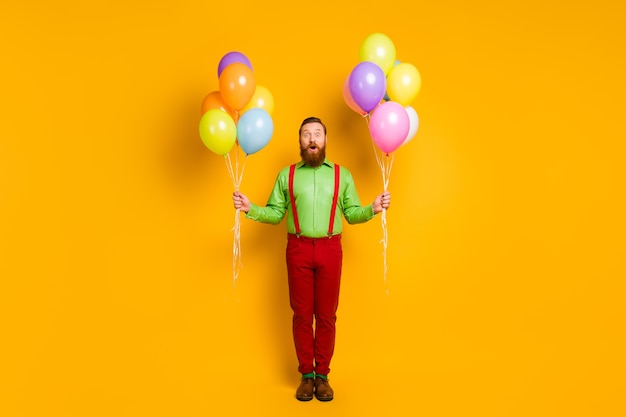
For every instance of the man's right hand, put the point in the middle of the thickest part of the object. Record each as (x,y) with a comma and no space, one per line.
(241,202)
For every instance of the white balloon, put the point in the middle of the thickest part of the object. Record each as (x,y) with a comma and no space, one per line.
(413,124)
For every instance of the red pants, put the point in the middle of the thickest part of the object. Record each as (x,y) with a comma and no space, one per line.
(314,273)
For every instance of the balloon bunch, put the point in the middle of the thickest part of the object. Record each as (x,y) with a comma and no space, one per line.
(237,116)
(381,89)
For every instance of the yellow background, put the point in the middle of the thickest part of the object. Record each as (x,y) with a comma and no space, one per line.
(506,232)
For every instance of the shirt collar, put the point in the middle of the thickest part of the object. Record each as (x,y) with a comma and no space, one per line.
(326,162)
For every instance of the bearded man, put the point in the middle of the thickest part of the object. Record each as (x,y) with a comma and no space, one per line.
(314,193)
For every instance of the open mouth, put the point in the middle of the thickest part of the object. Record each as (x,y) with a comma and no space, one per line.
(313,148)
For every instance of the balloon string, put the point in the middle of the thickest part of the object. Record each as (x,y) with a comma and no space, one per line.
(384,241)
(237,263)
(236,177)
(384,163)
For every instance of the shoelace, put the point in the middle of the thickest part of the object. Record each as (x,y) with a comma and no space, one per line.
(323,382)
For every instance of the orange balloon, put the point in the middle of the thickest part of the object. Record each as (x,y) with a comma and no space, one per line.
(348,98)
(214,100)
(237,85)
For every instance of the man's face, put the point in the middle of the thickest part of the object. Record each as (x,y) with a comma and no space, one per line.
(313,144)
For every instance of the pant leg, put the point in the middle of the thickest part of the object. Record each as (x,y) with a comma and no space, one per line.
(300,275)
(327,261)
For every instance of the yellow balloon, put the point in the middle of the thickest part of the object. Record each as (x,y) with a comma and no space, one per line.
(262,98)
(218,131)
(403,83)
(379,49)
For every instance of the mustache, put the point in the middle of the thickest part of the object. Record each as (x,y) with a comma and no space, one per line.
(312,145)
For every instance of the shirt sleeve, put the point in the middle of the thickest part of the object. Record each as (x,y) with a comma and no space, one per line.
(276,207)
(353,211)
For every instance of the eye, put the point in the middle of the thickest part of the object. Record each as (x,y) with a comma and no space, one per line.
(317,135)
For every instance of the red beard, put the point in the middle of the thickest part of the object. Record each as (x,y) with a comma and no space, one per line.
(313,159)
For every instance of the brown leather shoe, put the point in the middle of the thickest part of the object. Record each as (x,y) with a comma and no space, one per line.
(323,391)
(305,390)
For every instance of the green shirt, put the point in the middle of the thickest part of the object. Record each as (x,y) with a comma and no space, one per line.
(313,190)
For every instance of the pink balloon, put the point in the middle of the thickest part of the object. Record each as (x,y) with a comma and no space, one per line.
(348,98)
(389,126)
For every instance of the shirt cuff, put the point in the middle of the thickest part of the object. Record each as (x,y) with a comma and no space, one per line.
(253,213)
(372,211)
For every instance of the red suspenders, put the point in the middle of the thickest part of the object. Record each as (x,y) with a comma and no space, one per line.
(333,208)
(292,170)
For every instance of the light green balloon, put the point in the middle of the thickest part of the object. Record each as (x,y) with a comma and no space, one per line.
(218,131)
(379,49)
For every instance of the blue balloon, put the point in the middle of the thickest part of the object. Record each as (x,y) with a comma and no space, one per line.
(254,130)
(367,85)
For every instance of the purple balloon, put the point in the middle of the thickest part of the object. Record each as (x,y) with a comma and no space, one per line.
(367,85)
(231,58)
